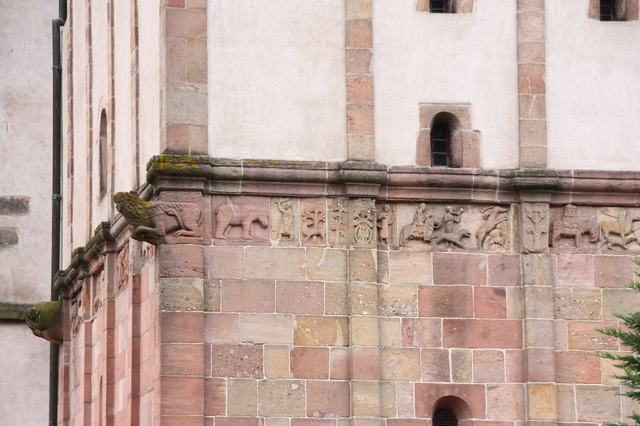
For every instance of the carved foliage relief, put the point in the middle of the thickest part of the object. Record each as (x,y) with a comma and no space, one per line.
(535,227)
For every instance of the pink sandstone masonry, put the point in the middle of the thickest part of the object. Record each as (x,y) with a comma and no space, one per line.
(272,307)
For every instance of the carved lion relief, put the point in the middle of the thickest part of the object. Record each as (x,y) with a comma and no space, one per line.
(230,215)
(573,229)
(160,221)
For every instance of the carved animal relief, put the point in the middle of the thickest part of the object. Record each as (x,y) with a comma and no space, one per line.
(493,233)
(571,225)
(154,222)
(312,224)
(619,228)
(535,227)
(230,215)
(439,229)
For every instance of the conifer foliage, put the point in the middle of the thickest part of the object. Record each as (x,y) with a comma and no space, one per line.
(629,363)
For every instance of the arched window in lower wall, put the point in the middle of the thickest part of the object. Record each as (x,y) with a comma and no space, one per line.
(445,417)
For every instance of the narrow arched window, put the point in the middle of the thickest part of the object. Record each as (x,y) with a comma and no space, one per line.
(441,6)
(607,10)
(444,418)
(440,143)
(103,154)
(614,10)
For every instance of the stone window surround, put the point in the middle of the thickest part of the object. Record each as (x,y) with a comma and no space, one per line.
(631,13)
(460,6)
(465,142)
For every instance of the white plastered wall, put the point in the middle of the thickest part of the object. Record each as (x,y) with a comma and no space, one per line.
(25,170)
(277,79)
(593,89)
(446,58)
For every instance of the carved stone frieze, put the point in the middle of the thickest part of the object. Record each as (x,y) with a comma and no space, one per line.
(493,233)
(338,222)
(363,222)
(123,267)
(619,229)
(573,230)
(535,227)
(438,228)
(313,222)
(160,221)
(284,225)
(244,219)
(385,223)
(77,315)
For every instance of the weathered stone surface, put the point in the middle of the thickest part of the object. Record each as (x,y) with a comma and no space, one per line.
(427,394)
(539,301)
(490,302)
(239,361)
(390,332)
(181,294)
(362,266)
(276,362)
(301,297)
(224,262)
(281,398)
(540,362)
(266,328)
(576,270)
(459,268)
(435,365)
(328,399)
(364,331)
(181,260)
(365,398)
(597,403)
(336,299)
(538,269)
(421,332)
(585,335)
(461,366)
(327,264)
(215,397)
(577,304)
(613,271)
(311,330)
(460,333)
(619,301)
(211,295)
(365,363)
(221,328)
(310,363)
(400,364)
(398,300)
(566,403)
(505,402)
(504,270)
(364,299)
(242,397)
(410,267)
(577,367)
(542,401)
(248,296)
(275,263)
(445,301)
(488,366)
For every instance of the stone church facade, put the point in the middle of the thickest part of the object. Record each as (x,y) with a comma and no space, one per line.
(347,212)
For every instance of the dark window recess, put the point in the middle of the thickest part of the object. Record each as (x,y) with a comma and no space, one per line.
(441,6)
(102,153)
(444,418)
(440,144)
(607,10)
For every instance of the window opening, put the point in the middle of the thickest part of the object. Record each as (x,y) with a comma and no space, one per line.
(440,144)
(444,418)
(606,10)
(441,6)
(102,142)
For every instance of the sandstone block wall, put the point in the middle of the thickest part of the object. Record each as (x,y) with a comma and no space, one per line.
(334,311)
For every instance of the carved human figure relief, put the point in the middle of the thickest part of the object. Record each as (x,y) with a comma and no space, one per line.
(312,225)
(573,226)
(493,233)
(153,221)
(283,224)
(619,229)
(438,229)
(230,215)
(363,222)
(535,227)
(385,220)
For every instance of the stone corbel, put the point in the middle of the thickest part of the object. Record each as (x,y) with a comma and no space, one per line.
(44,320)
